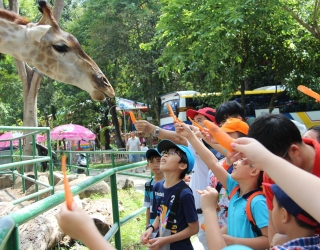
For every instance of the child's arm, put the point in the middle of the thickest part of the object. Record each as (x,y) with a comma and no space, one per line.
(261,242)
(209,199)
(147,216)
(146,235)
(277,168)
(206,155)
(80,226)
(191,229)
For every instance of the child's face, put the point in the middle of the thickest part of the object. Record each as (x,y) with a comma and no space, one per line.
(170,159)
(199,118)
(154,165)
(241,169)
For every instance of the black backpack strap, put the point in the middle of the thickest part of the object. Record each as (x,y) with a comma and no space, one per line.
(148,185)
(174,207)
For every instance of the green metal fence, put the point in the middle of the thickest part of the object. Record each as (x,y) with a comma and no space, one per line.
(9,233)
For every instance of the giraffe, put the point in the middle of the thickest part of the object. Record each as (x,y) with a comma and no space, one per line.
(52,51)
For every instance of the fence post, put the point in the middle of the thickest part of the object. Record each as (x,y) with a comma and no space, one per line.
(115,207)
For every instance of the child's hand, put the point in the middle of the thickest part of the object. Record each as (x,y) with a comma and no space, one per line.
(208,137)
(249,148)
(145,237)
(156,243)
(76,222)
(183,129)
(209,199)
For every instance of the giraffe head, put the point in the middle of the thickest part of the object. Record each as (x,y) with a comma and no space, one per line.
(59,55)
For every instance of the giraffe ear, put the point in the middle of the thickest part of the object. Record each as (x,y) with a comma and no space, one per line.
(37,32)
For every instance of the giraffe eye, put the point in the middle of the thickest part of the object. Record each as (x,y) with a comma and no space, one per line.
(61,48)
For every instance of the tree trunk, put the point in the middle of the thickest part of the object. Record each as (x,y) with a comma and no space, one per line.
(1,4)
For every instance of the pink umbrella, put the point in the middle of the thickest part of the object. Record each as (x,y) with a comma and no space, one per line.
(7,136)
(71,132)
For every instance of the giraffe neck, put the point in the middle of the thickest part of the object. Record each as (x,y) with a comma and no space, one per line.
(13,40)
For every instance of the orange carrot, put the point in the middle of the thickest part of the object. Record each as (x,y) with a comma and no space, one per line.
(203,227)
(219,135)
(309,92)
(67,190)
(195,124)
(133,119)
(172,114)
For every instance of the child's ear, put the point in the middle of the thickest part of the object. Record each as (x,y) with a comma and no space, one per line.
(183,166)
(285,216)
(254,172)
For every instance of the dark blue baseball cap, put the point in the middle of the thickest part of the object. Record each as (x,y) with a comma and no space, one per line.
(152,151)
(167,144)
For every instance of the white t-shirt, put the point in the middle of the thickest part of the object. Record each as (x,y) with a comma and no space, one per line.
(144,148)
(133,144)
(199,176)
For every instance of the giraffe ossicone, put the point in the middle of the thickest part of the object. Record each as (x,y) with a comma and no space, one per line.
(52,51)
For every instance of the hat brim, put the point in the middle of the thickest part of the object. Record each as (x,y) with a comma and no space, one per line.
(165,145)
(152,151)
(192,113)
(228,130)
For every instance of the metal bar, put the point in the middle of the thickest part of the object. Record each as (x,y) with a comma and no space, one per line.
(115,206)
(24,128)
(7,226)
(31,179)
(28,197)
(17,164)
(112,231)
(126,219)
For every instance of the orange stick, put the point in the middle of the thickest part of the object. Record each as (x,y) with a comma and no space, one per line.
(172,114)
(219,135)
(309,92)
(133,119)
(199,191)
(67,190)
(203,227)
(195,124)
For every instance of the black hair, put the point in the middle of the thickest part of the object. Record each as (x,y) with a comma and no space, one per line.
(276,132)
(300,222)
(184,159)
(260,179)
(229,109)
(316,128)
(152,156)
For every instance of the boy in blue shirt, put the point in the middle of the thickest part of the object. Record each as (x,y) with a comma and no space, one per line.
(153,163)
(177,218)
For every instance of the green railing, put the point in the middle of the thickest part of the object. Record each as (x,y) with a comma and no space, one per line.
(9,234)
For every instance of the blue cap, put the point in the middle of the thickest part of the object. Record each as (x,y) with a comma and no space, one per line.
(167,144)
(152,151)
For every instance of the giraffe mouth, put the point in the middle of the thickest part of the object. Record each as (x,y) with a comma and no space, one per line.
(103,89)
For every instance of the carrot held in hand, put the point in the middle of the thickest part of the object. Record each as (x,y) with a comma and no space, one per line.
(133,119)
(195,124)
(309,92)
(219,135)
(172,114)
(67,190)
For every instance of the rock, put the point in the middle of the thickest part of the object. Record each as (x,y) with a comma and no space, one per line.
(32,189)
(72,177)
(125,184)
(100,188)
(5,181)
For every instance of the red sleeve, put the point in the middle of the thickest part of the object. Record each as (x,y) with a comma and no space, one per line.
(268,191)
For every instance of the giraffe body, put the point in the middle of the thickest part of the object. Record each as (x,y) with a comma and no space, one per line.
(52,52)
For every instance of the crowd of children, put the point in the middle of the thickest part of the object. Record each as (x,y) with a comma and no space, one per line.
(263,194)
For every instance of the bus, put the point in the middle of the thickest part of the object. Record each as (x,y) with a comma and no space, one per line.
(257,103)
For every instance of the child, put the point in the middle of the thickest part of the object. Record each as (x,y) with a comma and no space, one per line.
(177,218)
(249,179)
(284,176)
(289,219)
(153,158)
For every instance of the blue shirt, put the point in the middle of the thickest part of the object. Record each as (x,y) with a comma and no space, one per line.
(238,223)
(186,212)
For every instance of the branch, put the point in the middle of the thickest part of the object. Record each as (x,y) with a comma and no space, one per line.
(315,15)
(295,16)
